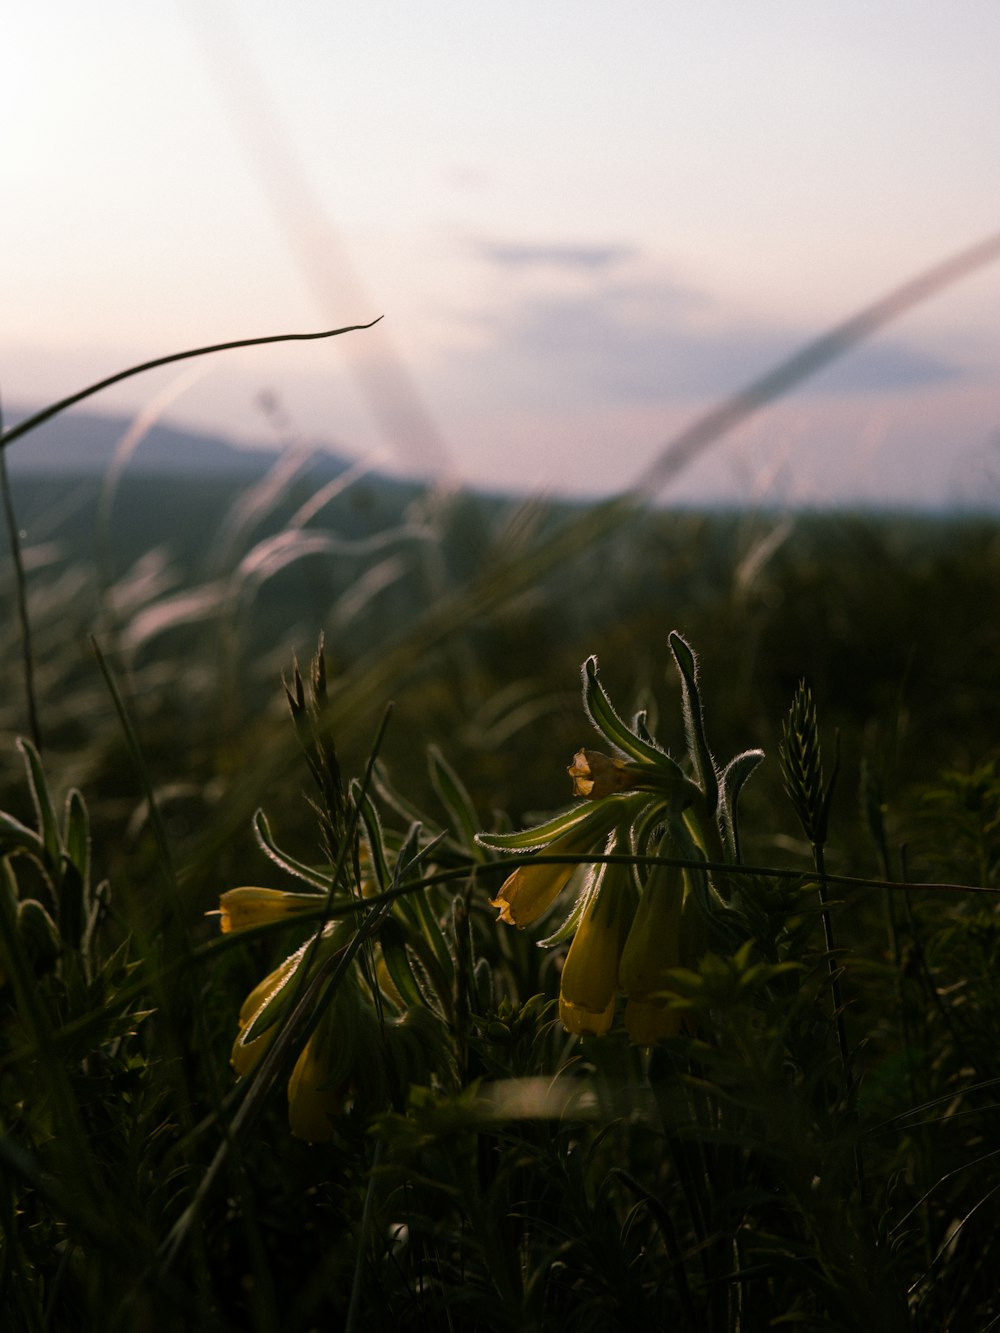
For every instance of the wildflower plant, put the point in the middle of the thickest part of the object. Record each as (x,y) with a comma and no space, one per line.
(649,846)
(369,1028)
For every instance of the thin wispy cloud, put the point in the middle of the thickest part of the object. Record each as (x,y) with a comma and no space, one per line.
(586,258)
(636,337)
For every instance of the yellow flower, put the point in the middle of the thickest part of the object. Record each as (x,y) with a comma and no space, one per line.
(313,1096)
(649,1022)
(267,1003)
(246,1054)
(667,932)
(242,908)
(589,981)
(531,890)
(653,943)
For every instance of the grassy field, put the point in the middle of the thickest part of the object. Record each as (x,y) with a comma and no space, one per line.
(268,1057)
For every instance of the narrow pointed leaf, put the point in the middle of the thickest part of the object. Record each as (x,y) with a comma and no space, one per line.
(586,819)
(77,834)
(694,721)
(601,712)
(265,840)
(734,777)
(17,837)
(47,824)
(455,799)
(371,826)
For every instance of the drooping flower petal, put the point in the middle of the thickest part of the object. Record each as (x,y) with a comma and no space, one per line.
(668,932)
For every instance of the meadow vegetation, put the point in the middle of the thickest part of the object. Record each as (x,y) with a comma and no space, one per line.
(268,1057)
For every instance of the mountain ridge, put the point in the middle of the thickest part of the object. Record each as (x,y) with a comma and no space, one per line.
(81,441)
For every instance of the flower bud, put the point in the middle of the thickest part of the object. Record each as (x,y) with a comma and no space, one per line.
(595,775)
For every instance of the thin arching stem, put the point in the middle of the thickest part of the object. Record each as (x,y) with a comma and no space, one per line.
(29,423)
(21,593)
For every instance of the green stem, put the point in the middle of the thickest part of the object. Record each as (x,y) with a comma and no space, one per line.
(29,423)
(21,586)
(838,1001)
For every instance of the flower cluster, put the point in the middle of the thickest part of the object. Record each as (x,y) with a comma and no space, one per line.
(638,914)
(348,996)
(321,1077)
(354,1052)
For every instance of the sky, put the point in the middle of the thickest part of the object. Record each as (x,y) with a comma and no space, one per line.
(582,224)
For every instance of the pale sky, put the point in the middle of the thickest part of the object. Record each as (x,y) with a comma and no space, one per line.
(582,222)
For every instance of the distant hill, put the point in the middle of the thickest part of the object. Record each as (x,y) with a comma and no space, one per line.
(79,441)
(178,490)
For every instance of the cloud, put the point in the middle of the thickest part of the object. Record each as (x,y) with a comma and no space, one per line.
(637,338)
(587,258)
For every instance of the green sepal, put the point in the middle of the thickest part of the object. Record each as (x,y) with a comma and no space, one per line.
(641,729)
(702,763)
(592,818)
(273,1008)
(17,837)
(699,881)
(277,1001)
(265,840)
(44,810)
(76,836)
(600,710)
(568,928)
(732,781)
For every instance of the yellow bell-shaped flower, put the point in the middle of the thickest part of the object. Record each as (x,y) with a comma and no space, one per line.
(531,890)
(314,1094)
(239,909)
(662,937)
(246,1054)
(589,982)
